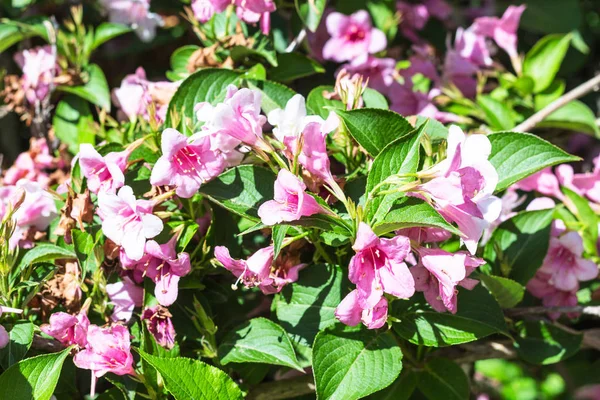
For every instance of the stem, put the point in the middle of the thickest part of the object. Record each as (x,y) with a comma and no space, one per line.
(297,41)
(579,91)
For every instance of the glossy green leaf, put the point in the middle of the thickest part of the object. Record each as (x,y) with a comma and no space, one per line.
(294,66)
(543,61)
(540,342)
(507,292)
(107,31)
(498,115)
(575,116)
(73,122)
(317,104)
(443,379)
(188,379)
(45,252)
(374,99)
(258,340)
(402,389)
(278,235)
(352,362)
(95,89)
(518,155)
(20,338)
(311,12)
(179,62)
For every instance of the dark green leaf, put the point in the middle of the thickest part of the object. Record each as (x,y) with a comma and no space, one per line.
(507,292)
(95,90)
(543,61)
(443,379)
(294,66)
(317,104)
(21,336)
(44,252)
(551,16)
(542,343)
(279,232)
(402,389)
(261,49)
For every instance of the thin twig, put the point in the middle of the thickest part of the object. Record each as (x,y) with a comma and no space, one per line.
(586,310)
(574,94)
(297,41)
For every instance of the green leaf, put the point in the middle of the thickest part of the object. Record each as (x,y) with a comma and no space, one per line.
(374,129)
(443,379)
(507,292)
(549,16)
(188,379)
(278,235)
(241,190)
(33,378)
(317,104)
(402,389)
(179,62)
(478,316)
(258,341)
(20,338)
(44,252)
(95,90)
(12,32)
(518,155)
(498,115)
(519,244)
(306,307)
(73,122)
(412,212)
(540,342)
(107,31)
(434,129)
(275,95)
(295,66)
(575,116)
(262,50)
(543,61)
(83,243)
(586,216)
(374,99)
(207,85)
(351,363)
(310,12)
(551,93)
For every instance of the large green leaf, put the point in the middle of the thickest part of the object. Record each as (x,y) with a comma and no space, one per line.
(241,190)
(540,342)
(95,90)
(518,155)
(317,104)
(107,31)
(518,246)
(12,32)
(575,116)
(311,12)
(478,316)
(498,115)
(374,129)
(306,307)
(206,85)
(507,292)
(188,379)
(21,336)
(33,378)
(258,341)
(179,61)
(45,252)
(443,379)
(543,61)
(73,122)
(275,95)
(351,363)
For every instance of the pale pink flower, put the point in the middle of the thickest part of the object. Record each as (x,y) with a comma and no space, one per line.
(124,295)
(39,69)
(291,202)
(30,165)
(4,338)
(68,329)
(585,184)
(405,101)
(588,392)
(425,235)
(253,11)
(186,163)
(350,312)
(313,155)
(378,267)
(316,40)
(540,203)
(164,266)
(539,286)
(502,30)
(544,182)
(135,13)
(128,222)
(238,117)
(104,174)
(381,72)
(564,262)
(291,121)
(205,9)
(352,36)
(158,321)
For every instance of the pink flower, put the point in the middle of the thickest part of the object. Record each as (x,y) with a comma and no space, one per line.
(128,222)
(30,165)
(502,30)
(104,174)
(238,117)
(39,69)
(425,235)
(158,321)
(205,9)
(541,288)
(378,266)
(313,155)
(68,329)
(379,71)
(164,266)
(186,163)
(564,263)
(585,184)
(253,11)
(414,18)
(352,36)
(440,272)
(107,350)
(350,312)
(135,13)
(125,295)
(291,202)
(544,182)
(4,338)
(289,123)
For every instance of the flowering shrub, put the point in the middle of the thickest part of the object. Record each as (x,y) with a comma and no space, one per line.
(275,199)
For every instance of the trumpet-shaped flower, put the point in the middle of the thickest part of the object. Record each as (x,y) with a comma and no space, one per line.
(158,321)
(128,222)
(124,295)
(39,68)
(186,163)
(502,30)
(104,174)
(291,201)
(352,36)
(252,272)
(351,313)
(68,329)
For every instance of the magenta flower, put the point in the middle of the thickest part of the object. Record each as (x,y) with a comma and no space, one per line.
(68,329)
(124,295)
(185,163)
(237,117)
(379,71)
(585,184)
(253,11)
(379,267)
(104,174)
(352,36)
(502,30)
(564,263)
(539,286)
(544,182)
(158,321)
(39,69)
(164,266)
(252,272)
(4,338)
(420,235)
(291,202)
(414,18)
(350,312)
(128,222)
